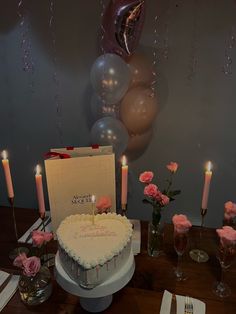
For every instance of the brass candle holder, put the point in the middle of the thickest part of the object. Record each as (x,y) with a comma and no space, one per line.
(198,255)
(19,249)
(123,209)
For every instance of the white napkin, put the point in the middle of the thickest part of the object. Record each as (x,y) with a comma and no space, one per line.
(8,292)
(136,237)
(199,307)
(3,277)
(48,228)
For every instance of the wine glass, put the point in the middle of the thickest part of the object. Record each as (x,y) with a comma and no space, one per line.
(226,255)
(180,245)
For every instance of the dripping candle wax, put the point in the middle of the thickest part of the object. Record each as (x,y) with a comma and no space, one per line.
(207,182)
(7,173)
(39,190)
(124,182)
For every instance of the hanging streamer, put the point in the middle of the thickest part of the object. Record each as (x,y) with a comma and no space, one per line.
(227,68)
(194,45)
(56,81)
(26,47)
(155,56)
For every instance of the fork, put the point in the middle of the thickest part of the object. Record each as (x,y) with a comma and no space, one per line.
(188,305)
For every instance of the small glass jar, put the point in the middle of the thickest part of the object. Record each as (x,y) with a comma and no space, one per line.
(35,290)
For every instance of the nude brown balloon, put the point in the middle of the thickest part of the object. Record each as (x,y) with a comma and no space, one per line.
(141,70)
(138,144)
(138,109)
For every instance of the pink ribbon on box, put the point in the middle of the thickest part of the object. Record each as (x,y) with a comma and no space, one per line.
(55,154)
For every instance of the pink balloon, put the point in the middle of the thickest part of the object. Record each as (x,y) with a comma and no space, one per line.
(138,109)
(123,22)
(141,70)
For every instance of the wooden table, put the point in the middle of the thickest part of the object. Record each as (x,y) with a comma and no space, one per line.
(152,275)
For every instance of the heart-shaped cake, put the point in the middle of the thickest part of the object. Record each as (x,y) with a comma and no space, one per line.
(92,250)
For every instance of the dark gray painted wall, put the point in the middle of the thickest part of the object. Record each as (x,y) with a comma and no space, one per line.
(196,121)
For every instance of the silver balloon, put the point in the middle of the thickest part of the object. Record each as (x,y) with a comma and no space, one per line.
(100,109)
(110,131)
(110,77)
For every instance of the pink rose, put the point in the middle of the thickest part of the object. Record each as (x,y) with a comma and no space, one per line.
(48,236)
(18,261)
(151,190)
(31,266)
(37,238)
(146,177)
(40,237)
(172,166)
(164,200)
(181,223)
(229,210)
(103,204)
(227,235)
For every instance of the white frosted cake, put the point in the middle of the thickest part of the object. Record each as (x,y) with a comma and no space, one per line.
(92,252)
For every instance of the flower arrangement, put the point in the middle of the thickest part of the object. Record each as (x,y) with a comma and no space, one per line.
(181,223)
(230,213)
(103,204)
(30,265)
(154,196)
(40,238)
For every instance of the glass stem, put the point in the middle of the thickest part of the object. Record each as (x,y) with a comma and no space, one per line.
(222,277)
(178,268)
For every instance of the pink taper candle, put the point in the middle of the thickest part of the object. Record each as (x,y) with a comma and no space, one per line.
(7,172)
(206,189)
(39,190)
(124,182)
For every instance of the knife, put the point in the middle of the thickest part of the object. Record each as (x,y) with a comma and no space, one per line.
(173,307)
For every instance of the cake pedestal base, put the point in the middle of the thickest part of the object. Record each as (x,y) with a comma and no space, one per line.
(99,298)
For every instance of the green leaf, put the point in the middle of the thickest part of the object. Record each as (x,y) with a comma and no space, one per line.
(146,201)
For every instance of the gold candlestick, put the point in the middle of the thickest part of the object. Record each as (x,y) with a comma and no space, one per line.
(19,249)
(123,209)
(199,255)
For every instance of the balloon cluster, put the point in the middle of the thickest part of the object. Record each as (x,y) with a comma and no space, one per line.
(123,102)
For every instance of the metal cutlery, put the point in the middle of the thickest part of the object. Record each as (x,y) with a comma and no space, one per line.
(173,307)
(188,305)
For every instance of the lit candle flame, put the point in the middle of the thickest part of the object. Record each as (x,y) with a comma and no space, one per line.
(124,161)
(38,170)
(4,154)
(209,166)
(93,198)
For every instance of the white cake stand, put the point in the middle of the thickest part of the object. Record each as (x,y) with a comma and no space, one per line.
(100,297)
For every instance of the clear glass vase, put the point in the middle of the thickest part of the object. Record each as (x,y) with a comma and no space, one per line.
(155,239)
(35,290)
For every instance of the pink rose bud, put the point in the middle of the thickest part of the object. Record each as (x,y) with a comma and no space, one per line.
(172,166)
(227,235)
(38,238)
(181,223)
(164,200)
(230,210)
(146,177)
(151,190)
(103,204)
(48,236)
(31,266)
(18,261)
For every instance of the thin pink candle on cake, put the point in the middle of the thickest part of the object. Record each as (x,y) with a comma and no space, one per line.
(39,190)
(7,173)
(206,188)
(124,181)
